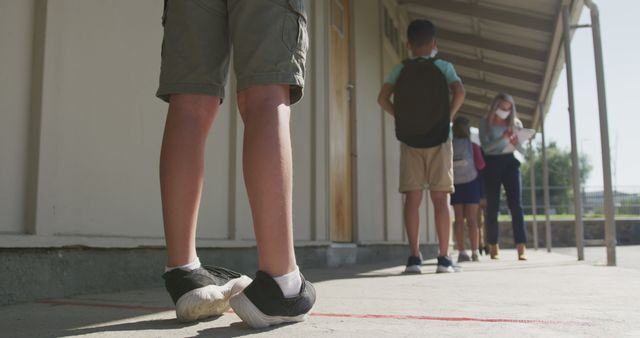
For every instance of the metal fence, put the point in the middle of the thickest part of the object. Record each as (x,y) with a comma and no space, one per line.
(626,201)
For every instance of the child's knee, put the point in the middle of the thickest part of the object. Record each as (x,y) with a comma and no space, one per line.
(439,198)
(263,98)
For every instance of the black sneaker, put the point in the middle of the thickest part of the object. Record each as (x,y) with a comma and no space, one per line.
(262,303)
(445,264)
(203,292)
(414,265)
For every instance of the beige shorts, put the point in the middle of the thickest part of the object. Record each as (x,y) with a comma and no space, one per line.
(268,37)
(426,168)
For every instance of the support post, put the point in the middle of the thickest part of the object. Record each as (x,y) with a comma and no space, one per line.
(609,219)
(545,184)
(534,207)
(575,164)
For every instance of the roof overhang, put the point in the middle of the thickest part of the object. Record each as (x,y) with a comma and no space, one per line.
(512,46)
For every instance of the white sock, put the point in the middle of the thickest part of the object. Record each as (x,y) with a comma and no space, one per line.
(290,283)
(475,252)
(187,267)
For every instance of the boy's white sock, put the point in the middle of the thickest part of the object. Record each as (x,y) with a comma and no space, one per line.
(475,252)
(187,267)
(290,283)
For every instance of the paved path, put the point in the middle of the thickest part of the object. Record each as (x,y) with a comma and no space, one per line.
(551,295)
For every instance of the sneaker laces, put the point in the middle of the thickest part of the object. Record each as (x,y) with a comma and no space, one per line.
(221,272)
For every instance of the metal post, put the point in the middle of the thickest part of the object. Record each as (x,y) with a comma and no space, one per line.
(534,207)
(609,220)
(577,198)
(545,184)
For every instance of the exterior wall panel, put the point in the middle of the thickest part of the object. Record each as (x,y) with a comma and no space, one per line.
(15,94)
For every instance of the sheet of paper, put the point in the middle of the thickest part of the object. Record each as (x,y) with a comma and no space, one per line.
(524,135)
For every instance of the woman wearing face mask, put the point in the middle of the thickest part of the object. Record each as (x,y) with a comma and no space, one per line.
(497,133)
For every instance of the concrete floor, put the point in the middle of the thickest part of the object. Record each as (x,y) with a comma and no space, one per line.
(551,295)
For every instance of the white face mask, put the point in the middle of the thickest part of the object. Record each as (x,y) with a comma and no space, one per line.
(434,52)
(502,114)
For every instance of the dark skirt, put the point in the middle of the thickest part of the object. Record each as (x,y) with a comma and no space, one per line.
(467,193)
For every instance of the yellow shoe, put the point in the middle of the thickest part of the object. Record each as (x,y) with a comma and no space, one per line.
(522,256)
(494,250)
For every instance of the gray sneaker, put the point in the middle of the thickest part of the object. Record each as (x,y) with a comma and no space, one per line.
(463,257)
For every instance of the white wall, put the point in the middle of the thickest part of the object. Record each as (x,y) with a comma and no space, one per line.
(101,126)
(16,39)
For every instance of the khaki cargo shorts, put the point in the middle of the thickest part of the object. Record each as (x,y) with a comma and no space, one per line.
(268,37)
(426,168)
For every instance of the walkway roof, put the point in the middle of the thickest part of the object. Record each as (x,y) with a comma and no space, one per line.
(512,46)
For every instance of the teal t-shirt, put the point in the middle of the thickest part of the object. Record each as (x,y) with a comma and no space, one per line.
(445,67)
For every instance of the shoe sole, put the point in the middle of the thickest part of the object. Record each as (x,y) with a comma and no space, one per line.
(251,315)
(444,269)
(448,269)
(208,301)
(413,269)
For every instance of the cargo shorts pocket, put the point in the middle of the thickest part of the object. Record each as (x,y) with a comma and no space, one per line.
(294,29)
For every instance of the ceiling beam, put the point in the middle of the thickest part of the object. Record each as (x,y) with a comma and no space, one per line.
(474,10)
(483,66)
(476,41)
(478,112)
(523,94)
(471,110)
(488,100)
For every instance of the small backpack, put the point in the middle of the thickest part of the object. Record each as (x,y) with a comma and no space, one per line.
(421,104)
(464,167)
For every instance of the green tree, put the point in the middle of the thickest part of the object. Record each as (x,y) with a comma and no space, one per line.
(560,177)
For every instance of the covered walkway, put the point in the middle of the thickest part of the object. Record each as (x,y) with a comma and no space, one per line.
(521,48)
(551,295)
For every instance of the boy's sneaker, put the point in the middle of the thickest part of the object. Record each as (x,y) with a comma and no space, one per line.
(262,303)
(445,264)
(463,257)
(474,257)
(414,264)
(203,292)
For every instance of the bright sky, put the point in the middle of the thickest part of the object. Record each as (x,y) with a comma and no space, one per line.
(621,53)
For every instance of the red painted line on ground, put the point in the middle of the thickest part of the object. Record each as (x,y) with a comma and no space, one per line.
(334,315)
(453,319)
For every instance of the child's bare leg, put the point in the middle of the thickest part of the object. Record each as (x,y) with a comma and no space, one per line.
(412,220)
(471,213)
(182,171)
(443,220)
(459,226)
(267,165)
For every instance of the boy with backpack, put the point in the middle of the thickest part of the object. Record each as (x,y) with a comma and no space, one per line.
(422,108)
